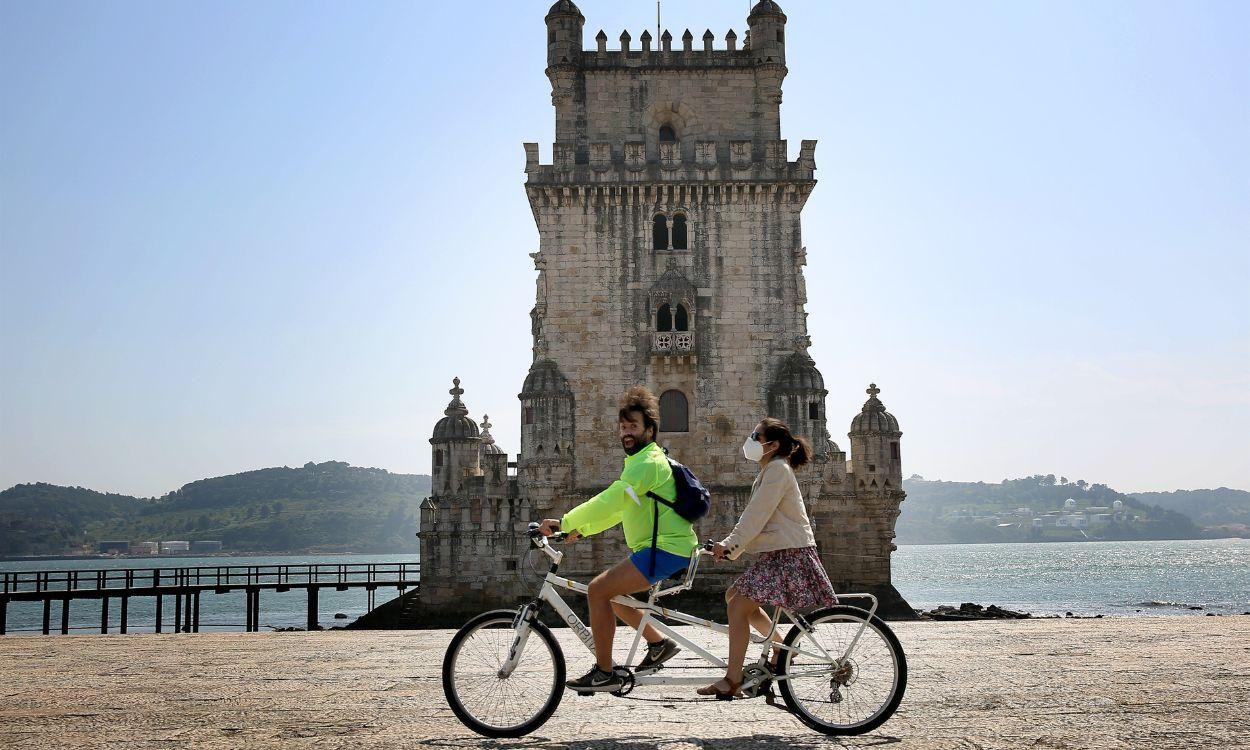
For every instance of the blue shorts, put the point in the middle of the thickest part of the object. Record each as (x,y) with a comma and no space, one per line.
(666,563)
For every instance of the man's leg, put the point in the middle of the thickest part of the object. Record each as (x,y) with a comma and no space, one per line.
(622,578)
(633,618)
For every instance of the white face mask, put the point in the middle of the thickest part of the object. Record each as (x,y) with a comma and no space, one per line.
(752,450)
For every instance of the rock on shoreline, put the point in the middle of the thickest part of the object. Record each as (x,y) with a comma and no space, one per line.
(971,611)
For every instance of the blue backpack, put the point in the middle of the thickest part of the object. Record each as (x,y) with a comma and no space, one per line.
(692,502)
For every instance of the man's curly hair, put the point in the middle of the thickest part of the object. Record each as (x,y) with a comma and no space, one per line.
(642,400)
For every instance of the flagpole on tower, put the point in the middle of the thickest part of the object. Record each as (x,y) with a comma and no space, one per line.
(657,19)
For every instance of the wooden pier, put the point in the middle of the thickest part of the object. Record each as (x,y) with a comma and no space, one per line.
(186,585)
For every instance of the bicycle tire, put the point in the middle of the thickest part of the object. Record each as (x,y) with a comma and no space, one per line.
(455,672)
(888,703)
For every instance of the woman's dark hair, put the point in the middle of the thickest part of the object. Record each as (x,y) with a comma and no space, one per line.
(794,449)
(641,400)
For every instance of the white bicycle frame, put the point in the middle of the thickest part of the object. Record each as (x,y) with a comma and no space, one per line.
(550,594)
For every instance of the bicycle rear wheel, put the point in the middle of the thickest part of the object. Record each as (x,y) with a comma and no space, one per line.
(841,693)
(496,706)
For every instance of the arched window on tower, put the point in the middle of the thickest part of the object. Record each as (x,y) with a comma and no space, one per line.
(438,458)
(679,232)
(813,410)
(667,134)
(659,231)
(682,321)
(674,412)
(664,319)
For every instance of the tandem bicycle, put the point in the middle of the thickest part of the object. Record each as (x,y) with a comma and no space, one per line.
(841,670)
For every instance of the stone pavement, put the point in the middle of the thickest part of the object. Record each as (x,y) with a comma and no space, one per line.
(1179,682)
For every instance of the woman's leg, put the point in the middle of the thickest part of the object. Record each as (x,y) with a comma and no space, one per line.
(760,620)
(740,610)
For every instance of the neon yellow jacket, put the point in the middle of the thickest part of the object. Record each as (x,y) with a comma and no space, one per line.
(625,502)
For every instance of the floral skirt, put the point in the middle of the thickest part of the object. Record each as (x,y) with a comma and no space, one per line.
(790,578)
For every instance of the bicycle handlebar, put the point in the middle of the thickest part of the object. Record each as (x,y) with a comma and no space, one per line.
(534,534)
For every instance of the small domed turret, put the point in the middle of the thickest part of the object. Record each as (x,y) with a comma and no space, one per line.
(544,379)
(873,417)
(797,395)
(564,6)
(455,444)
(488,441)
(564,33)
(456,425)
(876,458)
(768,33)
(799,373)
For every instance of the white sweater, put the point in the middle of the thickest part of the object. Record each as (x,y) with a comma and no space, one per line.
(775,518)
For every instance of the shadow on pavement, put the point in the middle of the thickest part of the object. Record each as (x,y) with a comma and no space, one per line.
(666,742)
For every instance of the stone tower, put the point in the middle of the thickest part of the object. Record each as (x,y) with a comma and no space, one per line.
(670,254)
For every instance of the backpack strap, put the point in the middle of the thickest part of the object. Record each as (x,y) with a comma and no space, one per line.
(655,533)
(670,503)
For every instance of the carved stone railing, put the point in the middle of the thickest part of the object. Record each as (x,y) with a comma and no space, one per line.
(672,342)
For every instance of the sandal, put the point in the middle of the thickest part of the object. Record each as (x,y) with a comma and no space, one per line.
(734,691)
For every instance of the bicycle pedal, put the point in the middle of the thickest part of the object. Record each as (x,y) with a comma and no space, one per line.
(584,695)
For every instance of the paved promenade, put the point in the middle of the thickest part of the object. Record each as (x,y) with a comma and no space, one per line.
(1153,683)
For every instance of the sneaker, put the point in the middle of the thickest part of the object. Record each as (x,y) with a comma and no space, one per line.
(596,681)
(658,653)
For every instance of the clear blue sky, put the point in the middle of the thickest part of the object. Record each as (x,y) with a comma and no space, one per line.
(237,235)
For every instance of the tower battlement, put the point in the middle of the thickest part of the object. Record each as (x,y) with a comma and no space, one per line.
(686,57)
(704,161)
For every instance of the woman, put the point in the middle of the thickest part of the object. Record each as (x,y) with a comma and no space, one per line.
(788,573)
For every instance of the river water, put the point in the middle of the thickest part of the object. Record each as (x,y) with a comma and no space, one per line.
(1086,578)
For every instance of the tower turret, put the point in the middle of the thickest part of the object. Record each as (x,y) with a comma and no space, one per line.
(546,460)
(797,395)
(876,459)
(455,445)
(564,33)
(768,50)
(768,32)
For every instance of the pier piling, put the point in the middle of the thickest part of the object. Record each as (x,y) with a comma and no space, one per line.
(312,607)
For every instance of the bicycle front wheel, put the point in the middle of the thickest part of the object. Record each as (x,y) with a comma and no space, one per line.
(502,706)
(838,689)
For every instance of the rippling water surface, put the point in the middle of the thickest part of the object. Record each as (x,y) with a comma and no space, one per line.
(1112,578)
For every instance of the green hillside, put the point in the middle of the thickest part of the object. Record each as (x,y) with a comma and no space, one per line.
(1219,507)
(327,507)
(938,512)
(40,519)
